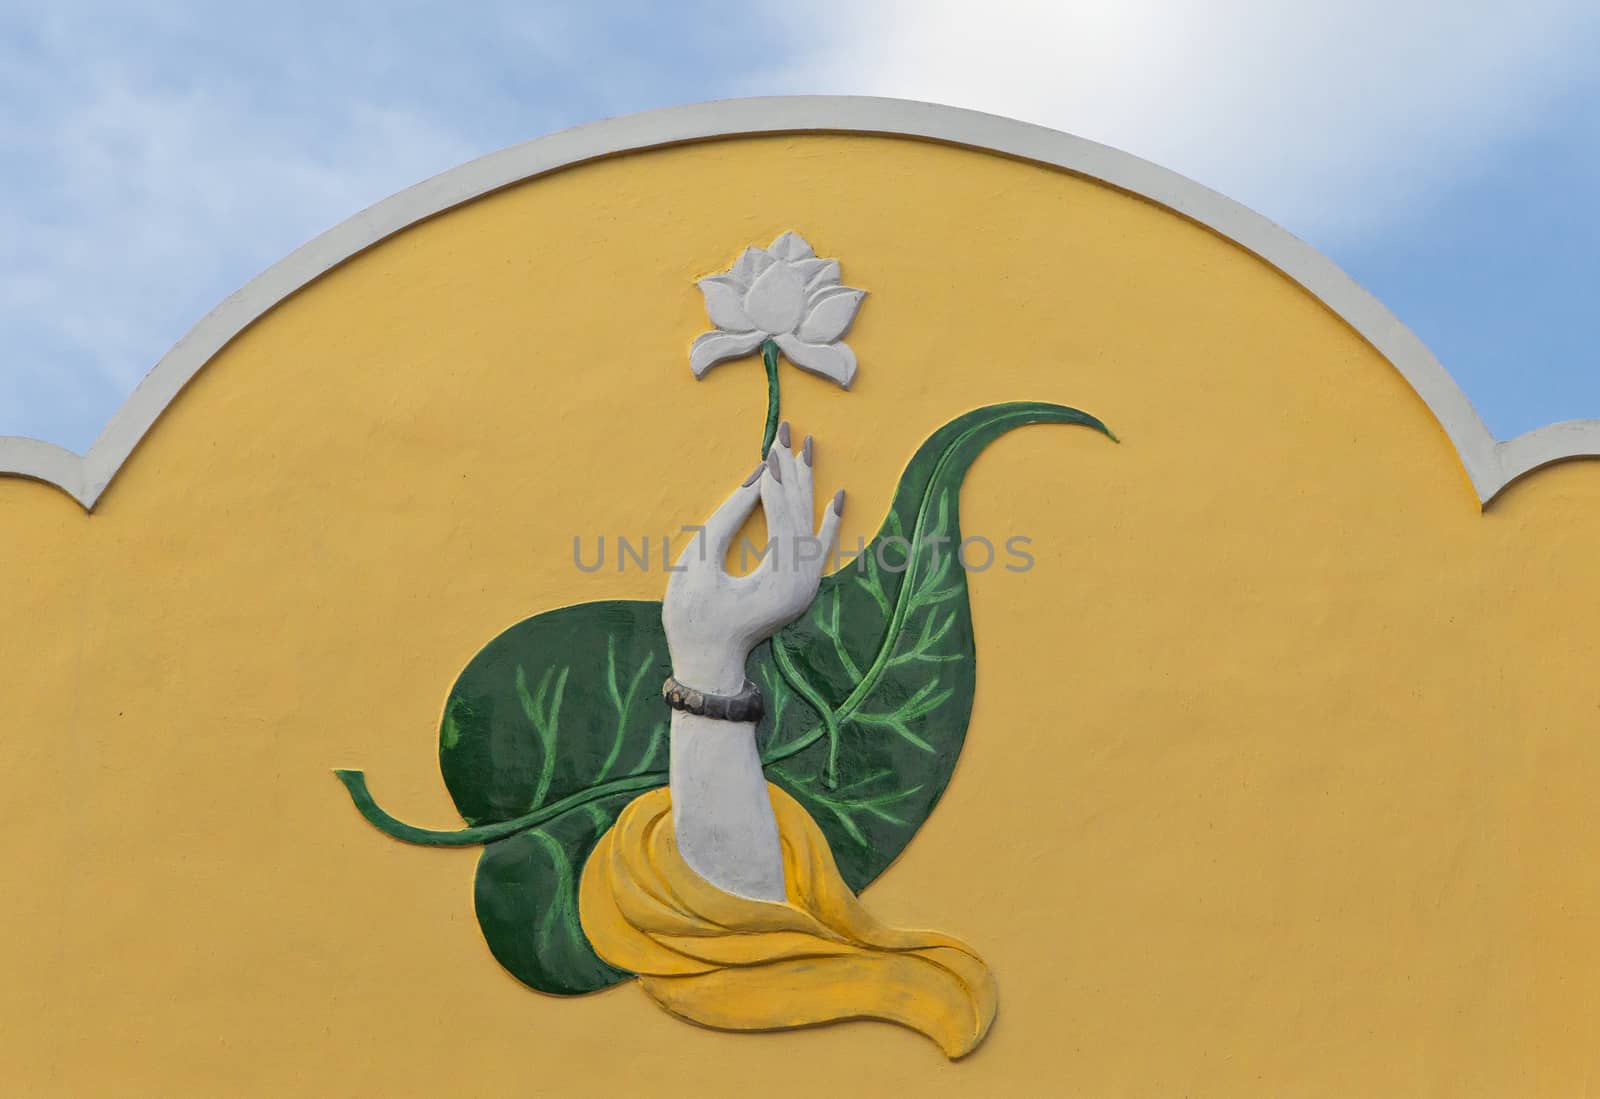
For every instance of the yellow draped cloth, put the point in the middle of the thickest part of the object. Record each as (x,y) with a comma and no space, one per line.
(728,962)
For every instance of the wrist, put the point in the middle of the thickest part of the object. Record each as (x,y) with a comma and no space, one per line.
(699,725)
(711,669)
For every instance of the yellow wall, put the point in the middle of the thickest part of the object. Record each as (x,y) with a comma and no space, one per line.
(1282,772)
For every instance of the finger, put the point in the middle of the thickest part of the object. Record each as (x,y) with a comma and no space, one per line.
(783,457)
(729,517)
(775,503)
(789,476)
(828,533)
(803,483)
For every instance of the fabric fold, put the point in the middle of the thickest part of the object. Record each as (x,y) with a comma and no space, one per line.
(733,963)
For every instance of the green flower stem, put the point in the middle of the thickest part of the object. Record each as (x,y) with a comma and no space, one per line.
(769,357)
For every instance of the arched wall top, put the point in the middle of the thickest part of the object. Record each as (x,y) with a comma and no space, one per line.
(1489,464)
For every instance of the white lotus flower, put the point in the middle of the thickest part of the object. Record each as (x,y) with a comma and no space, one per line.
(784,294)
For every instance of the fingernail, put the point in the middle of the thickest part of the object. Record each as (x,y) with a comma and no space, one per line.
(783,433)
(754,474)
(805,451)
(772,466)
(838,503)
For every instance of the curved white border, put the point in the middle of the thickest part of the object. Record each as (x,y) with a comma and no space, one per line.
(1489,464)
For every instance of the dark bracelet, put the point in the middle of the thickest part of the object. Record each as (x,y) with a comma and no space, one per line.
(744,706)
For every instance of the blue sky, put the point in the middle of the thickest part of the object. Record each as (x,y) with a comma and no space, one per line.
(1446,154)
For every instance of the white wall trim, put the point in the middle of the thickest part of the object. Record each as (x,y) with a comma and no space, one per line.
(1489,464)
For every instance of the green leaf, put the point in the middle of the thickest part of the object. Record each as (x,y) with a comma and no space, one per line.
(561,704)
(870,693)
(527,901)
(557,723)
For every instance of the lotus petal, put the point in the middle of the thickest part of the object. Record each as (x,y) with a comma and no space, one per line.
(831,360)
(748,267)
(725,303)
(829,313)
(807,268)
(824,276)
(777,301)
(791,246)
(711,348)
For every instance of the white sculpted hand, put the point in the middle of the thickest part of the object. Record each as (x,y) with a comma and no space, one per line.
(721,813)
(713,619)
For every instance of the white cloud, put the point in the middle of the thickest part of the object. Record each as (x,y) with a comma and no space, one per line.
(167,193)
(1332,118)
(156,200)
